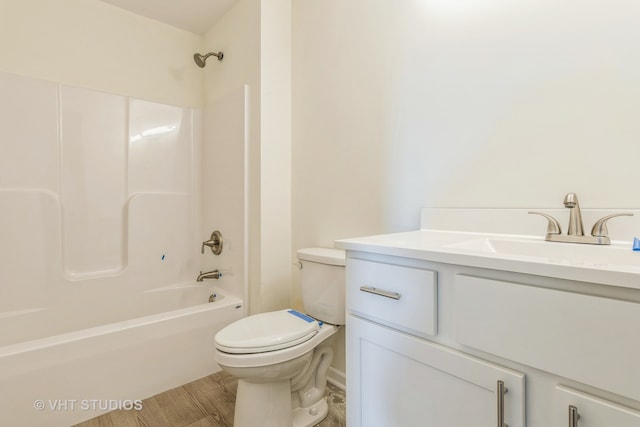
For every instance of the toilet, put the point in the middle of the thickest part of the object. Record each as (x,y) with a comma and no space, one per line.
(281,358)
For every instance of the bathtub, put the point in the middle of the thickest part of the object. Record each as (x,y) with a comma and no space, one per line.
(66,363)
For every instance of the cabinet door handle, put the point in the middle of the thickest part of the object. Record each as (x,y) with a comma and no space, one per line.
(573,416)
(381,292)
(502,390)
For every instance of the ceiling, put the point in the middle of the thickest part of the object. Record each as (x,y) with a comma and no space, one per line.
(196,16)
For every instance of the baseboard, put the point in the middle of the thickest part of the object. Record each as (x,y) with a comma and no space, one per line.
(337,378)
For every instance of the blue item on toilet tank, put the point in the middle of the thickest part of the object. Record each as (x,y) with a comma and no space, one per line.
(302,316)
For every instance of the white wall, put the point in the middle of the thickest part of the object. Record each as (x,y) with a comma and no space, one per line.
(459,103)
(256,42)
(224,165)
(90,44)
(275,154)
(237,34)
(456,103)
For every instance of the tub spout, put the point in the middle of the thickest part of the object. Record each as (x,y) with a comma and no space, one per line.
(214,274)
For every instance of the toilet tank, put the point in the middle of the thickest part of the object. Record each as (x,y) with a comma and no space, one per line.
(322,282)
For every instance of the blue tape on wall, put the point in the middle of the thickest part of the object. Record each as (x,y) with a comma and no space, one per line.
(302,316)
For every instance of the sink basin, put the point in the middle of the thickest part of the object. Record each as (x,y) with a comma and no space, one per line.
(564,253)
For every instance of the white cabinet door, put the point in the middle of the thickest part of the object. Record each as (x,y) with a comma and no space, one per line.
(591,411)
(589,339)
(395,379)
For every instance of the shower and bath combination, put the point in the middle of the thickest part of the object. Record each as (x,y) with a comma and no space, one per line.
(202,59)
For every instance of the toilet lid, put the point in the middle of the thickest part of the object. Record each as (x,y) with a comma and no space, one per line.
(266,332)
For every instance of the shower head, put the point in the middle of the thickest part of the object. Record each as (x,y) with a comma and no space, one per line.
(202,59)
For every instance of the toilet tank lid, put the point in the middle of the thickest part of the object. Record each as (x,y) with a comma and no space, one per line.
(329,256)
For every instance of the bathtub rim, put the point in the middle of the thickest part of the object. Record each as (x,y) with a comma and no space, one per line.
(16,349)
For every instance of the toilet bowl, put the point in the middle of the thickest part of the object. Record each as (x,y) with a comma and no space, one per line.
(282,358)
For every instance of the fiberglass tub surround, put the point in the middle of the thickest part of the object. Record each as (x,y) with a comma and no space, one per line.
(100,251)
(97,193)
(104,177)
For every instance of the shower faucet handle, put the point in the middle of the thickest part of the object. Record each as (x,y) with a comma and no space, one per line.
(215,243)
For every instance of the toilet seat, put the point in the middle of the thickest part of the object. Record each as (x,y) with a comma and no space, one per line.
(266,332)
(269,358)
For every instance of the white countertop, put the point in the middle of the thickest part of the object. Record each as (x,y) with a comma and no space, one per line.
(440,246)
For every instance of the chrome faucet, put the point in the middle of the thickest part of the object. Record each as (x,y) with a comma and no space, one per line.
(575,233)
(213,274)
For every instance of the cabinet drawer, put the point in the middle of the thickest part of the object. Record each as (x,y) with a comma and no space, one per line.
(592,411)
(590,339)
(397,296)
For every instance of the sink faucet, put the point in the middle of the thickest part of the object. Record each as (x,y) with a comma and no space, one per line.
(575,216)
(213,274)
(575,233)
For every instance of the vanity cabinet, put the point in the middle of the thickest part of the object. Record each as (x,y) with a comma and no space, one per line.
(587,338)
(395,379)
(398,378)
(440,345)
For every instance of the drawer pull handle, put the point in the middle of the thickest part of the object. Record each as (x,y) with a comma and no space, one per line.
(502,390)
(573,416)
(381,292)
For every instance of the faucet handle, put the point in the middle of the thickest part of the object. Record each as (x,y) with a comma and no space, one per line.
(553,227)
(215,243)
(600,227)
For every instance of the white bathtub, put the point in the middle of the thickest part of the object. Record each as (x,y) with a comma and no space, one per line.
(63,364)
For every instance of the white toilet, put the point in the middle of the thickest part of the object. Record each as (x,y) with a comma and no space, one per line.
(281,358)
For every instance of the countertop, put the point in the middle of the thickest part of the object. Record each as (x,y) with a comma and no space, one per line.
(451,247)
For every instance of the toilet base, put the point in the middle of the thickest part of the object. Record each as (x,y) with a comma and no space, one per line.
(267,403)
(283,394)
(263,404)
(308,417)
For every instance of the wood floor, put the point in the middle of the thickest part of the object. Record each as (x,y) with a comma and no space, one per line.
(206,402)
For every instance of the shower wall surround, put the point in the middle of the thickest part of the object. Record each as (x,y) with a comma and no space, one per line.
(95,188)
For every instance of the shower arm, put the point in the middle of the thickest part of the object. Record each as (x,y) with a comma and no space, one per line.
(201,60)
